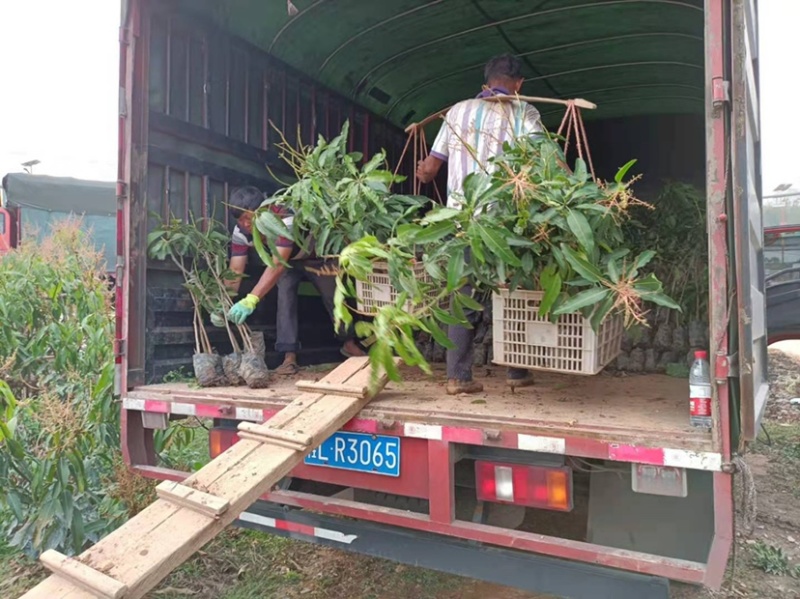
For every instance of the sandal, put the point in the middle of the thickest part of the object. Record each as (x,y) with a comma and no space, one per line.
(348,354)
(287,369)
(455,387)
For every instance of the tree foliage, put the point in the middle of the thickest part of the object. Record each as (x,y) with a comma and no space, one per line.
(335,200)
(59,422)
(526,222)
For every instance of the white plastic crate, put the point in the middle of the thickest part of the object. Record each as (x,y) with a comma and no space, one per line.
(378,290)
(523,339)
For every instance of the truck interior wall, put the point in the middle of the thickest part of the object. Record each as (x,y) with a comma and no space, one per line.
(214,105)
(213,100)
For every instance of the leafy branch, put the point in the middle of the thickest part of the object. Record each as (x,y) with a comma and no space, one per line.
(528,222)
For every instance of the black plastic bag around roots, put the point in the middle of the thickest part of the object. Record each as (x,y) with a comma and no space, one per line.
(254,371)
(231,364)
(208,370)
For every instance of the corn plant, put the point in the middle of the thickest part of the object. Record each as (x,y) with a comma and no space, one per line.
(526,222)
(335,200)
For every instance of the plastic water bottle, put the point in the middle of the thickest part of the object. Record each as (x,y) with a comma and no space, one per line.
(700,391)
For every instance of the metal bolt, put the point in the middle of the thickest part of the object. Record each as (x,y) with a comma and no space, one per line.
(491,435)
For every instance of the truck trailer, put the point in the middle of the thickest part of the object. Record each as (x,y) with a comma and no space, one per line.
(579,487)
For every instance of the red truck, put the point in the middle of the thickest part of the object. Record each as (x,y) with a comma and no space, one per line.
(583,487)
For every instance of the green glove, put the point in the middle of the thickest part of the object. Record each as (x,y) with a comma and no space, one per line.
(218,319)
(242,309)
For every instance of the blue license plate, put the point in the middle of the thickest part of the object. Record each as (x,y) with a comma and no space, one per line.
(356,451)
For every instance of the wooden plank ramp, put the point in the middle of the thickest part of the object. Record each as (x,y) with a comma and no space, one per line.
(137,556)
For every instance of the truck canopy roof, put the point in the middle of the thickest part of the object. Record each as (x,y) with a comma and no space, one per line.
(406,59)
(60,194)
(45,200)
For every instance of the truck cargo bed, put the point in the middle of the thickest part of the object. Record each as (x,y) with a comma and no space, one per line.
(649,410)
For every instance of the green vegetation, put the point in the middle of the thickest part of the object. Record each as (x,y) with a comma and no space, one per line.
(58,417)
(62,481)
(531,224)
(334,200)
(770,559)
(677,230)
(199,250)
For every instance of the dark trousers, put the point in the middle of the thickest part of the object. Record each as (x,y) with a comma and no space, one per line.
(287,321)
(462,356)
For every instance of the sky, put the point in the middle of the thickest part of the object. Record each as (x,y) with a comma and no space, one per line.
(59,98)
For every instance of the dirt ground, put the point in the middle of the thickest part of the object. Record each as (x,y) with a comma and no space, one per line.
(247,565)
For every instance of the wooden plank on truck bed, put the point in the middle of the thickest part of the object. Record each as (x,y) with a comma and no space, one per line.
(148,547)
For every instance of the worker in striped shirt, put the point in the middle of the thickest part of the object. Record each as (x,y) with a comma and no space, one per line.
(473,133)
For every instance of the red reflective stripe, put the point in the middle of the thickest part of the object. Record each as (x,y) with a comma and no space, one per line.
(303,529)
(631,453)
(161,407)
(206,411)
(462,435)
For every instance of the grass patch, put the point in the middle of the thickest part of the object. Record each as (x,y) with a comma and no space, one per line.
(17,573)
(770,559)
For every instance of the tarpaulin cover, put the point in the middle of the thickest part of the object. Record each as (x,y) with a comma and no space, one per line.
(405,59)
(44,200)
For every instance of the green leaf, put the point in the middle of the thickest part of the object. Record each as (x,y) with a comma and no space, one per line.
(661,299)
(624,171)
(551,285)
(581,265)
(590,297)
(644,259)
(455,271)
(580,170)
(433,233)
(599,315)
(613,270)
(470,302)
(649,284)
(581,229)
(271,225)
(445,317)
(527,263)
(497,244)
(439,215)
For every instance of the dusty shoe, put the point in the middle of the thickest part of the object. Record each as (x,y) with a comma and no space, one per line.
(287,369)
(455,387)
(518,382)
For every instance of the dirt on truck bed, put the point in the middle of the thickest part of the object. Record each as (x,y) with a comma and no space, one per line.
(646,409)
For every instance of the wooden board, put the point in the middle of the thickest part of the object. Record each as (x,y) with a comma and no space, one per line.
(148,547)
(647,409)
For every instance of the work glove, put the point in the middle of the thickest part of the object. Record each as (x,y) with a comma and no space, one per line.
(218,319)
(242,309)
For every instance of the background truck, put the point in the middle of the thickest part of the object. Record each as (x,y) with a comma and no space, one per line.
(31,204)
(583,487)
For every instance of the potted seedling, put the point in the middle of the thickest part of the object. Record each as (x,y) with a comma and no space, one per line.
(197,249)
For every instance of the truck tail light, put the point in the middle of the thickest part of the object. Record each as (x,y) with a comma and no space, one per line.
(533,486)
(220,439)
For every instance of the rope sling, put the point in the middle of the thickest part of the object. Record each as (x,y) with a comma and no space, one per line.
(571,130)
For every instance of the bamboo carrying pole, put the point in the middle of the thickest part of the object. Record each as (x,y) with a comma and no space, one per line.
(579,102)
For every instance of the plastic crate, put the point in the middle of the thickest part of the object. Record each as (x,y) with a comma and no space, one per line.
(523,339)
(378,291)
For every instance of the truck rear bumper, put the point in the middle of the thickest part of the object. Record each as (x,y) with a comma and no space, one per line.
(518,569)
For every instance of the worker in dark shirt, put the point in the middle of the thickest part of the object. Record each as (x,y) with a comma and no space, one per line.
(302,266)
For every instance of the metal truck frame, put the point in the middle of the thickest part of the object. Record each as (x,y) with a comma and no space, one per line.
(428,535)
